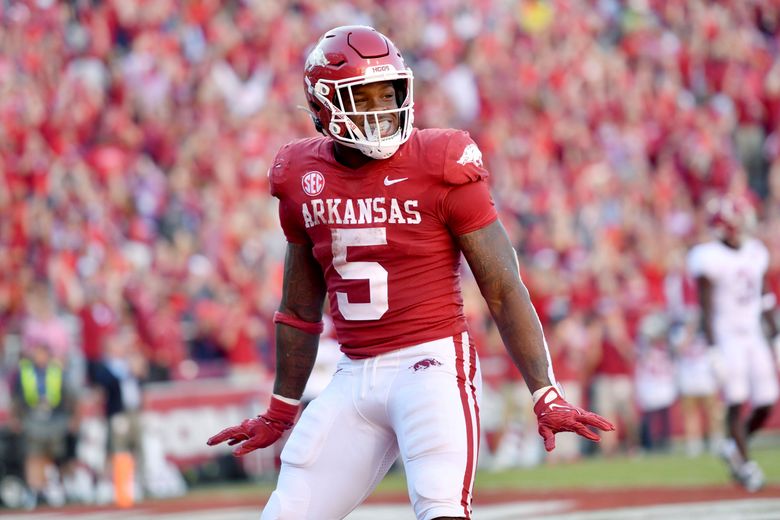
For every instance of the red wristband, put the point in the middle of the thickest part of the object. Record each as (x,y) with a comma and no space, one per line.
(283,412)
(292,321)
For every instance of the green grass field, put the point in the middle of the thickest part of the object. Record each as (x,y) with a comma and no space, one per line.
(672,470)
(666,470)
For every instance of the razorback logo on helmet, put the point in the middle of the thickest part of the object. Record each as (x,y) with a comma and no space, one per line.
(471,155)
(316,59)
(313,183)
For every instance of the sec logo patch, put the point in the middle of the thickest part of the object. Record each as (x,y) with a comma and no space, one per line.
(313,183)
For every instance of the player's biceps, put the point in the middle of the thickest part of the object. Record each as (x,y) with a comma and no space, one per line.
(490,254)
(303,287)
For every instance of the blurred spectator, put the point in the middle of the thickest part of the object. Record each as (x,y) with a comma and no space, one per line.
(41,324)
(571,339)
(700,404)
(120,375)
(614,395)
(44,414)
(153,314)
(97,319)
(656,388)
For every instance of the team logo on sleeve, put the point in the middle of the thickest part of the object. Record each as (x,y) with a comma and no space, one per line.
(471,155)
(313,183)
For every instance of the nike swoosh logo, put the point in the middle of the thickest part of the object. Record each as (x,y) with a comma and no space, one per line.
(553,406)
(389,182)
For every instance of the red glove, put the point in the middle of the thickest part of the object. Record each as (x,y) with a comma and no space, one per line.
(261,431)
(555,415)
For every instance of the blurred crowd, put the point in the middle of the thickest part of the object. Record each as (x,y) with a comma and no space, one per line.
(135,138)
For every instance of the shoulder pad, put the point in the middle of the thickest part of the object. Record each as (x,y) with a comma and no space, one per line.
(463,160)
(277,172)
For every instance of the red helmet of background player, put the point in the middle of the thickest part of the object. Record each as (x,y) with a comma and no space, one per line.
(346,57)
(730,216)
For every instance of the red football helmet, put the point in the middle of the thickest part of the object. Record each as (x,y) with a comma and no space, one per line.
(730,216)
(346,57)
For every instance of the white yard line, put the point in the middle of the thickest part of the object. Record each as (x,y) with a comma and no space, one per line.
(748,509)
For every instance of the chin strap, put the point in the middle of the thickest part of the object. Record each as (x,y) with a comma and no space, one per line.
(314,118)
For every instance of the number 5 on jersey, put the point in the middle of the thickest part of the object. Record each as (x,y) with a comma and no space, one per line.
(341,240)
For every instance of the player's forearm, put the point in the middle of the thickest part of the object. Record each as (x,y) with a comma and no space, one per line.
(704,290)
(303,294)
(523,336)
(494,264)
(768,308)
(768,317)
(296,352)
(707,329)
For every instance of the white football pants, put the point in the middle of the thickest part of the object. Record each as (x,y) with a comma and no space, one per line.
(421,401)
(751,372)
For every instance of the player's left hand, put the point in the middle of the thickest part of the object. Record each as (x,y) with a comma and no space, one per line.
(555,415)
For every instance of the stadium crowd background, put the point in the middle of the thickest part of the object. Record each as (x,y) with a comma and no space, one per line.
(135,138)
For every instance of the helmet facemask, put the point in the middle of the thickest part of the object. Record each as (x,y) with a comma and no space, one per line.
(336,96)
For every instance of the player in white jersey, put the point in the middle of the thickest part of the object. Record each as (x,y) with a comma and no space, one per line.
(730,276)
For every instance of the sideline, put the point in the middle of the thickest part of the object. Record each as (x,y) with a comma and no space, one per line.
(715,509)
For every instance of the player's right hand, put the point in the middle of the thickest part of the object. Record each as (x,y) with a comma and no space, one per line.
(261,431)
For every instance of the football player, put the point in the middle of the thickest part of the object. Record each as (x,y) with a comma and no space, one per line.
(377,214)
(730,277)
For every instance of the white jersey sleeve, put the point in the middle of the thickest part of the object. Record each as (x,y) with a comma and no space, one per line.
(700,261)
(761,255)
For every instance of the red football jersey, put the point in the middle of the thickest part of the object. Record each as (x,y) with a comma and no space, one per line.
(383,233)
